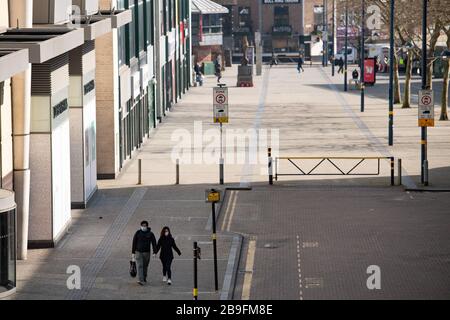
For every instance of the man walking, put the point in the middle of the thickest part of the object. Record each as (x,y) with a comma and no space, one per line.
(341,64)
(300,64)
(142,240)
(218,70)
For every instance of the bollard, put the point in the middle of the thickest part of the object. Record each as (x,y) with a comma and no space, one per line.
(195,291)
(177,170)
(400,182)
(221,169)
(139,171)
(392,171)
(214,239)
(425,173)
(270,167)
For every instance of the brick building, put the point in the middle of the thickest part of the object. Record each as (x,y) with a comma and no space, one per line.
(283,22)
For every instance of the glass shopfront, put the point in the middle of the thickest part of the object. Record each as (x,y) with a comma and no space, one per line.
(7,243)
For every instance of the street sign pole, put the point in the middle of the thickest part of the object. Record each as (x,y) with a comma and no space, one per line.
(334,39)
(362,68)
(214,239)
(391,76)
(220,106)
(346,47)
(213,196)
(424,133)
(221,155)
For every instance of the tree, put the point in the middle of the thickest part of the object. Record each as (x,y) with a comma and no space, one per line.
(444,100)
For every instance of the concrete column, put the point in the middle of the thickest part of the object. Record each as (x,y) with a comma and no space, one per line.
(21,15)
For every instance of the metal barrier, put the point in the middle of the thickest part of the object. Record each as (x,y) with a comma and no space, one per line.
(329,160)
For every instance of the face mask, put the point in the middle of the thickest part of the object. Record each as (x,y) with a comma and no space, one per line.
(144,229)
(167,233)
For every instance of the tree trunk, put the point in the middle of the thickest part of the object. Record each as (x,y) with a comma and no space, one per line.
(444,103)
(430,75)
(407,97)
(397,94)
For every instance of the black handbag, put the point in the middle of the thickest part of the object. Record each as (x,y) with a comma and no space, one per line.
(133,269)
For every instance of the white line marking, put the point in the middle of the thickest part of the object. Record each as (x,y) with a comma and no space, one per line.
(299,268)
(249,270)
(227,211)
(233,209)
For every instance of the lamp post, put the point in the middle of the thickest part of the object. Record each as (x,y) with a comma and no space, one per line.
(391,76)
(334,39)
(424,133)
(346,46)
(324,34)
(362,69)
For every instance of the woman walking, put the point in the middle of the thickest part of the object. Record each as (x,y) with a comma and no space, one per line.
(167,244)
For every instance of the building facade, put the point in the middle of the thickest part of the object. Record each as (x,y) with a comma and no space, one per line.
(150,71)
(285,25)
(207,33)
(79,94)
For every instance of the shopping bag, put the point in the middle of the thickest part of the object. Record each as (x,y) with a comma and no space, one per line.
(133,269)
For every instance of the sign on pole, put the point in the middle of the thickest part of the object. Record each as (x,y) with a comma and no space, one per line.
(220,105)
(426,108)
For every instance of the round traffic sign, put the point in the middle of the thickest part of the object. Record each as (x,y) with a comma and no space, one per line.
(221,99)
(426,100)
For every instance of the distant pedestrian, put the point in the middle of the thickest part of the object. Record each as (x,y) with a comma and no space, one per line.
(143,240)
(198,74)
(341,65)
(218,70)
(273,60)
(166,244)
(300,64)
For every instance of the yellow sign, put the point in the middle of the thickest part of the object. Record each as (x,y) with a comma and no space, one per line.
(426,122)
(213,196)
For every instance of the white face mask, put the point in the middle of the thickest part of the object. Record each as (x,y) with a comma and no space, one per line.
(144,228)
(167,233)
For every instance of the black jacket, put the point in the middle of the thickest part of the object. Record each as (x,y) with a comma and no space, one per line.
(166,244)
(142,241)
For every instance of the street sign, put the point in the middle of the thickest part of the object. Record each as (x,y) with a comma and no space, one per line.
(426,108)
(220,104)
(212,195)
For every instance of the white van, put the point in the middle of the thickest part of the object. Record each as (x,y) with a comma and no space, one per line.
(352,55)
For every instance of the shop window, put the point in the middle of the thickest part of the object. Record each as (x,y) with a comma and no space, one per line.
(281,16)
(212,23)
(140,30)
(7,251)
(149,28)
(227,22)
(245,19)
(318,17)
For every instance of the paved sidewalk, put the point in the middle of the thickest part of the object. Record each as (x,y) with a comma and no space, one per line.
(313,118)
(99,242)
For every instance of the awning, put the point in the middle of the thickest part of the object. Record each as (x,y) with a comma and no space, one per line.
(207,7)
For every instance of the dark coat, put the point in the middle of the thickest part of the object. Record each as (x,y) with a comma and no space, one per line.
(166,244)
(142,241)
